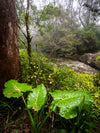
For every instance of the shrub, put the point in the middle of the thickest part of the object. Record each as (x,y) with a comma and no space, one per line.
(38,71)
(85,82)
(64,78)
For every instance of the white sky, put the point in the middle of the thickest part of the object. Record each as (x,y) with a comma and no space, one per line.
(40,3)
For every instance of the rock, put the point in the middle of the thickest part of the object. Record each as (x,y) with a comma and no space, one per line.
(95,61)
(91,59)
(86,58)
(79,66)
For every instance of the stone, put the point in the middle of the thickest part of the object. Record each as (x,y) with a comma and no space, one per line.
(91,59)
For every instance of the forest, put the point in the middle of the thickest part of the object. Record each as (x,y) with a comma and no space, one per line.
(50,66)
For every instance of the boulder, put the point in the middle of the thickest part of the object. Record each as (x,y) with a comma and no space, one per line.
(96,61)
(86,58)
(91,59)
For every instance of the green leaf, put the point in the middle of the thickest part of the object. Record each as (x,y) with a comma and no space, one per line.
(17,131)
(91,124)
(98,57)
(68,107)
(60,131)
(64,94)
(37,98)
(68,103)
(15,89)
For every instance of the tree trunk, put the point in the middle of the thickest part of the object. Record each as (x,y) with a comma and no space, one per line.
(29,38)
(9,55)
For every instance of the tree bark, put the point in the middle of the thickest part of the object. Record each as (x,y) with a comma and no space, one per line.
(9,55)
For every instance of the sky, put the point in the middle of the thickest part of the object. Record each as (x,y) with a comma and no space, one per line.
(39,3)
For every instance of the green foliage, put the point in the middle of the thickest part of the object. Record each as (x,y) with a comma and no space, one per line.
(57,77)
(17,131)
(63,43)
(98,57)
(90,39)
(63,78)
(58,30)
(15,89)
(85,82)
(96,92)
(70,103)
(90,83)
(38,71)
(66,79)
(75,107)
(48,11)
(37,98)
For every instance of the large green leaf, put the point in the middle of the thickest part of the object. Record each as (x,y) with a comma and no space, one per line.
(37,98)
(69,103)
(15,89)
(64,94)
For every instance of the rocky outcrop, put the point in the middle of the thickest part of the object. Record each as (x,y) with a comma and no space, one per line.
(96,61)
(91,59)
(86,58)
(78,66)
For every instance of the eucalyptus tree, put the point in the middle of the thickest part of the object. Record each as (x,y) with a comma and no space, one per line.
(9,56)
(94,8)
(87,10)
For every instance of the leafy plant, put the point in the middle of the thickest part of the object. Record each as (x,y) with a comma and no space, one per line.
(36,98)
(72,105)
(69,101)
(15,89)
(54,76)
(68,104)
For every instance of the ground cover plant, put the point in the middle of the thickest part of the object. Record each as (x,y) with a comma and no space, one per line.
(38,71)
(59,81)
(70,103)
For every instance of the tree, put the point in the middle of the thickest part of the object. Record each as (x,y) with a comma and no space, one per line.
(89,11)
(29,38)
(59,31)
(24,18)
(9,56)
(85,15)
(94,8)
(90,37)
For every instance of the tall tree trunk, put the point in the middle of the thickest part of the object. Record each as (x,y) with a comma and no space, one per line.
(9,55)
(29,38)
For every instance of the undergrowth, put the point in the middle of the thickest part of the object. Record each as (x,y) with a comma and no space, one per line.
(42,70)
